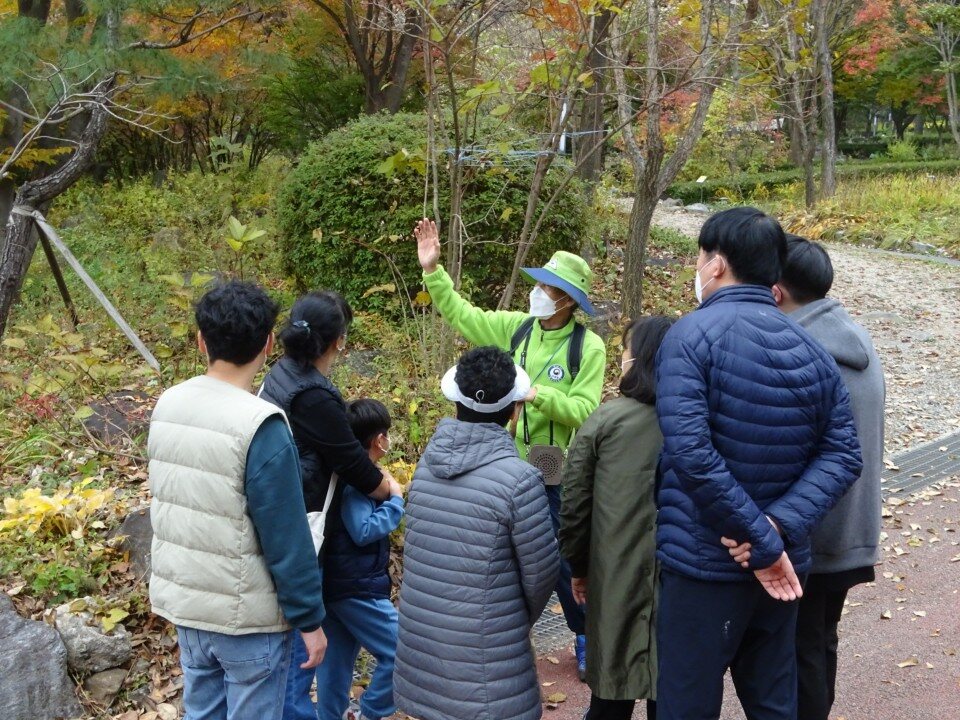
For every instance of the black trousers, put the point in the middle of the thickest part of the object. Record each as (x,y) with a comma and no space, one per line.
(817,641)
(601,709)
(704,628)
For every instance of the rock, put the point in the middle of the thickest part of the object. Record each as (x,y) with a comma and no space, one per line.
(89,649)
(923,248)
(672,203)
(880,315)
(137,534)
(102,687)
(363,362)
(119,415)
(166,711)
(71,222)
(699,208)
(166,239)
(34,684)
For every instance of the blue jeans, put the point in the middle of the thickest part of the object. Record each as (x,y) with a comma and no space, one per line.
(233,677)
(350,624)
(297,704)
(573,613)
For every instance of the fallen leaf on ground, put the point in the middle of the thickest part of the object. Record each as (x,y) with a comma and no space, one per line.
(552,660)
(920,613)
(549,684)
(557,697)
(557,609)
(909,662)
(886,615)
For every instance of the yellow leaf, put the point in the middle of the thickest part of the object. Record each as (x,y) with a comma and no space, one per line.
(557,697)
(422,299)
(909,662)
(386,287)
(112,619)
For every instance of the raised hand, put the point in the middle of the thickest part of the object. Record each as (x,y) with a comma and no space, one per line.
(780,580)
(428,244)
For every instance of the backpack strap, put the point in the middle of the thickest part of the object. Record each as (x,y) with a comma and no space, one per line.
(521,333)
(575,350)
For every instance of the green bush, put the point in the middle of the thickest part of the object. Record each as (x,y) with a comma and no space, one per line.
(864,148)
(747,184)
(902,151)
(347,220)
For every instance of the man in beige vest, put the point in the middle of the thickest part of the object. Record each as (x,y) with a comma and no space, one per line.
(233,561)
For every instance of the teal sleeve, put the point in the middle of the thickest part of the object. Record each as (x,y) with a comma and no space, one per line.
(275,504)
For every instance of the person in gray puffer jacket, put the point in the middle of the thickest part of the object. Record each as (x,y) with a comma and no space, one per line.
(479,560)
(845,544)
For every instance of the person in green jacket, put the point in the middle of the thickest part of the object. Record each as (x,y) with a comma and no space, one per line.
(561,398)
(608,531)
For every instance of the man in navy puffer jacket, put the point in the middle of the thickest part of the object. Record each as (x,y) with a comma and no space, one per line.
(759,443)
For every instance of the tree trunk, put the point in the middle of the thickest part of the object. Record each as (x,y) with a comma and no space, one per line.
(590,128)
(635,253)
(953,106)
(900,114)
(828,172)
(20,240)
(796,144)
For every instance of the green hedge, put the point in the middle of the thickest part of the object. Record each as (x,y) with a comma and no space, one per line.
(863,149)
(340,215)
(691,192)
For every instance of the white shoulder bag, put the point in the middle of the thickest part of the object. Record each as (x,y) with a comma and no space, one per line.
(316,520)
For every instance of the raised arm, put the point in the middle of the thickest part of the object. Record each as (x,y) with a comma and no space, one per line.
(479,327)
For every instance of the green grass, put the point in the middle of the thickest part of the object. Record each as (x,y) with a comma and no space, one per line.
(889,212)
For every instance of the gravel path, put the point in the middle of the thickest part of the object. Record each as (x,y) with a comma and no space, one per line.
(911,308)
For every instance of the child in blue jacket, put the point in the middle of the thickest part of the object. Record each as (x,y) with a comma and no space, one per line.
(356,584)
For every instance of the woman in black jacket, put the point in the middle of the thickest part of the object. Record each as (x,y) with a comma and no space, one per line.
(312,340)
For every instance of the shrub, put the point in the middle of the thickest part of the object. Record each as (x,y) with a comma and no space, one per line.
(741,186)
(347,211)
(902,151)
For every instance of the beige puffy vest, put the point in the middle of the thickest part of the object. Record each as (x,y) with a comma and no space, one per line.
(208,570)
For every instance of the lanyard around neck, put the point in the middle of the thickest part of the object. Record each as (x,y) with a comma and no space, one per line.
(523,364)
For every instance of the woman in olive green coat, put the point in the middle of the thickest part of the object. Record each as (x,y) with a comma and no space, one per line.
(608,528)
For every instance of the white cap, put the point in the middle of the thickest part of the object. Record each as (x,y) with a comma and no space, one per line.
(451,391)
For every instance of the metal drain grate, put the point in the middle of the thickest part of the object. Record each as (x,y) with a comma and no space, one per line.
(923,466)
(551,631)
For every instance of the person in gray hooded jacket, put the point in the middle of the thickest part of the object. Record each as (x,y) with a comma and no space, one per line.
(479,560)
(845,544)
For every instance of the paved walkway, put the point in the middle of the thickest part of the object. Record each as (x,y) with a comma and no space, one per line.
(918,586)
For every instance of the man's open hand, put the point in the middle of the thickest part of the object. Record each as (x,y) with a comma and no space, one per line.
(780,580)
(428,244)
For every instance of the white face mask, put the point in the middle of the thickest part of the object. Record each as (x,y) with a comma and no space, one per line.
(698,286)
(541,305)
